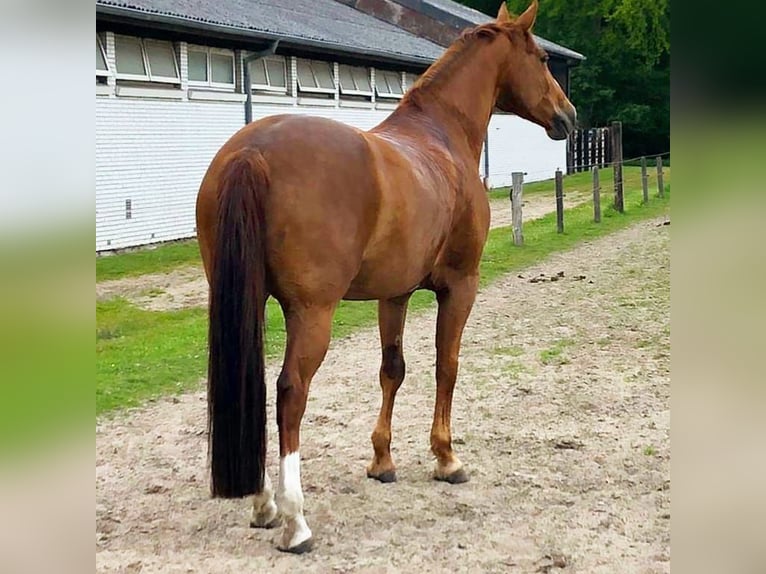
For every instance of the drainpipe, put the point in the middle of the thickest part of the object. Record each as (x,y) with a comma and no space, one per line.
(486,160)
(246,73)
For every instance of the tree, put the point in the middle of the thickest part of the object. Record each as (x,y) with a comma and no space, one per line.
(626,75)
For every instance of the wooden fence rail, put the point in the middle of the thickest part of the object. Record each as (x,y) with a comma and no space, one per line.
(588,148)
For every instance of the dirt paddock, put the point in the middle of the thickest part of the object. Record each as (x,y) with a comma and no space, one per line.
(561,416)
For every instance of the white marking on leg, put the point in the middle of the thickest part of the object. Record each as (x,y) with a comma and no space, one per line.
(264,507)
(290,501)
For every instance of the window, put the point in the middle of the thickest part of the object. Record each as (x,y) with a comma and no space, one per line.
(212,67)
(102,68)
(315,76)
(388,84)
(355,81)
(147,60)
(198,71)
(269,73)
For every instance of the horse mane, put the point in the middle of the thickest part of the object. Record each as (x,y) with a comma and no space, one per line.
(444,65)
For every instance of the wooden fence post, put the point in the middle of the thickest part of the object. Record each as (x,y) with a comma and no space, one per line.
(660,177)
(644,180)
(559,201)
(516,199)
(616,132)
(596,196)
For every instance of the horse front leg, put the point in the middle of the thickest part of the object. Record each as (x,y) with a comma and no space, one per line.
(308,336)
(455,304)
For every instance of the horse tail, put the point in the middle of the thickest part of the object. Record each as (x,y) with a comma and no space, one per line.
(236,377)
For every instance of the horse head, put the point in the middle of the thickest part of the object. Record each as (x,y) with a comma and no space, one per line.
(526,86)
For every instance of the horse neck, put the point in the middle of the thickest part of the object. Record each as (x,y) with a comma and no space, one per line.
(459,93)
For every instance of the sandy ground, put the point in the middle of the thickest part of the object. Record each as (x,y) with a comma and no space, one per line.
(187,287)
(561,416)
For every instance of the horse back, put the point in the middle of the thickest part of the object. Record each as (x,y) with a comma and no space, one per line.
(347,213)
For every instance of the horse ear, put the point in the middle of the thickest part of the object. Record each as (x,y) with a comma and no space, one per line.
(503,15)
(527,19)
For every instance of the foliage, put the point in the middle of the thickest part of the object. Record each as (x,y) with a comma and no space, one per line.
(626,75)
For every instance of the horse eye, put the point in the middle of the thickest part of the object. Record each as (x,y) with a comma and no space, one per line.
(544,58)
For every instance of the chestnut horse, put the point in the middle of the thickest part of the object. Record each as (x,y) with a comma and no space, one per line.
(311,211)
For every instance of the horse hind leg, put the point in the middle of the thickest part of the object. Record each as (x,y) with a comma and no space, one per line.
(308,336)
(454,307)
(391,316)
(265,513)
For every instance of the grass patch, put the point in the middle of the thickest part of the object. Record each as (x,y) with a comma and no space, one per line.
(583,181)
(650,451)
(554,355)
(515,369)
(508,351)
(143,354)
(155,259)
(153,292)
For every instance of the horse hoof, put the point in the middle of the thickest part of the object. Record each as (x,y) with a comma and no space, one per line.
(387,476)
(273,523)
(457,477)
(305,546)
(267,517)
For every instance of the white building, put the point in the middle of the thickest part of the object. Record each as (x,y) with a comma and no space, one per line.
(170,90)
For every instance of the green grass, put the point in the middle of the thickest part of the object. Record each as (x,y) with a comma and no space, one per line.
(554,355)
(140,354)
(505,351)
(143,354)
(583,181)
(158,259)
(650,451)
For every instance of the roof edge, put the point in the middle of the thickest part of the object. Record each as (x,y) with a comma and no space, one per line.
(432,10)
(180,23)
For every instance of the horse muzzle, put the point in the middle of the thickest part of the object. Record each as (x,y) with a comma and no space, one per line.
(563,124)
